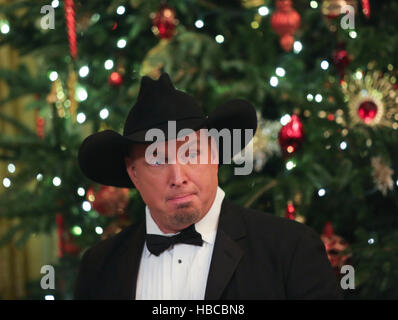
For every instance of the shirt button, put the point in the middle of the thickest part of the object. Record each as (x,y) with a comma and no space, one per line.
(179,260)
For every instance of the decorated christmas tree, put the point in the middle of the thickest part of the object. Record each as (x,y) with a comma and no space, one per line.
(321,74)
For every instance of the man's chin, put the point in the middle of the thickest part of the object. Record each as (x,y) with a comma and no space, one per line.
(185,216)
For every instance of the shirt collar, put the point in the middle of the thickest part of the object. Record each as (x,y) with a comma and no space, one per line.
(207,226)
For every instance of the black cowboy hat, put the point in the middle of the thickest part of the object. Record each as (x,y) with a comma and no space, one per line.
(102,155)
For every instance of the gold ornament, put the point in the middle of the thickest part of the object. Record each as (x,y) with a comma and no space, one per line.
(264,143)
(57,97)
(371,98)
(52,96)
(71,85)
(252,3)
(332,9)
(382,175)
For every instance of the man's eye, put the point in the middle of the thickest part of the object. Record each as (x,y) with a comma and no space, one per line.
(156,162)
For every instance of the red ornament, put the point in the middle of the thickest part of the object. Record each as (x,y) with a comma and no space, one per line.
(341,60)
(334,246)
(285,21)
(164,22)
(291,135)
(40,122)
(115,79)
(109,201)
(40,127)
(367,111)
(70,27)
(65,239)
(290,211)
(366,8)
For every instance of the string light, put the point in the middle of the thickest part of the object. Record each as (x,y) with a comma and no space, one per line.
(263,11)
(314,4)
(280,72)
(49,297)
(324,65)
(285,119)
(297,47)
(99,230)
(371,241)
(290,165)
(55,4)
(120,10)
(81,192)
(77,231)
(358,74)
(81,94)
(199,24)
(4,27)
(6,182)
(352,34)
(81,117)
(274,81)
(321,192)
(108,64)
(121,43)
(53,75)
(254,25)
(11,168)
(219,38)
(310,97)
(343,145)
(83,71)
(104,113)
(57,181)
(39,177)
(86,206)
(318,98)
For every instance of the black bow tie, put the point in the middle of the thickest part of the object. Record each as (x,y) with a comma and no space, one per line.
(157,244)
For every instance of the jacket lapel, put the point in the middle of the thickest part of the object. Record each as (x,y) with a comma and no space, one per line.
(227,253)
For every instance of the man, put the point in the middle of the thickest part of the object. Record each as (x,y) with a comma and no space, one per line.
(193,243)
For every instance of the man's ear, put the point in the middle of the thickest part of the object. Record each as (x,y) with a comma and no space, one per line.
(130,167)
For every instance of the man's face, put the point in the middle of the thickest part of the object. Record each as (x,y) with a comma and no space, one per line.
(177,194)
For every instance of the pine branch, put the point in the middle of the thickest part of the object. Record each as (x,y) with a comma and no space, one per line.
(260,192)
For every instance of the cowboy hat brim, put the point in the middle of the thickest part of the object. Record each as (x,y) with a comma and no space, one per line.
(102,155)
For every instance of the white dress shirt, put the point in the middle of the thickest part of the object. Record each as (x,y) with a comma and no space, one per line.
(179,273)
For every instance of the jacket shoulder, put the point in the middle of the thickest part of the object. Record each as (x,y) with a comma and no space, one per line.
(271,226)
(101,250)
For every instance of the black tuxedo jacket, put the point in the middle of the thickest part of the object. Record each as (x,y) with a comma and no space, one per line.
(256,256)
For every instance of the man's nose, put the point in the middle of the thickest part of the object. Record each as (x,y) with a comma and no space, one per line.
(177,174)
